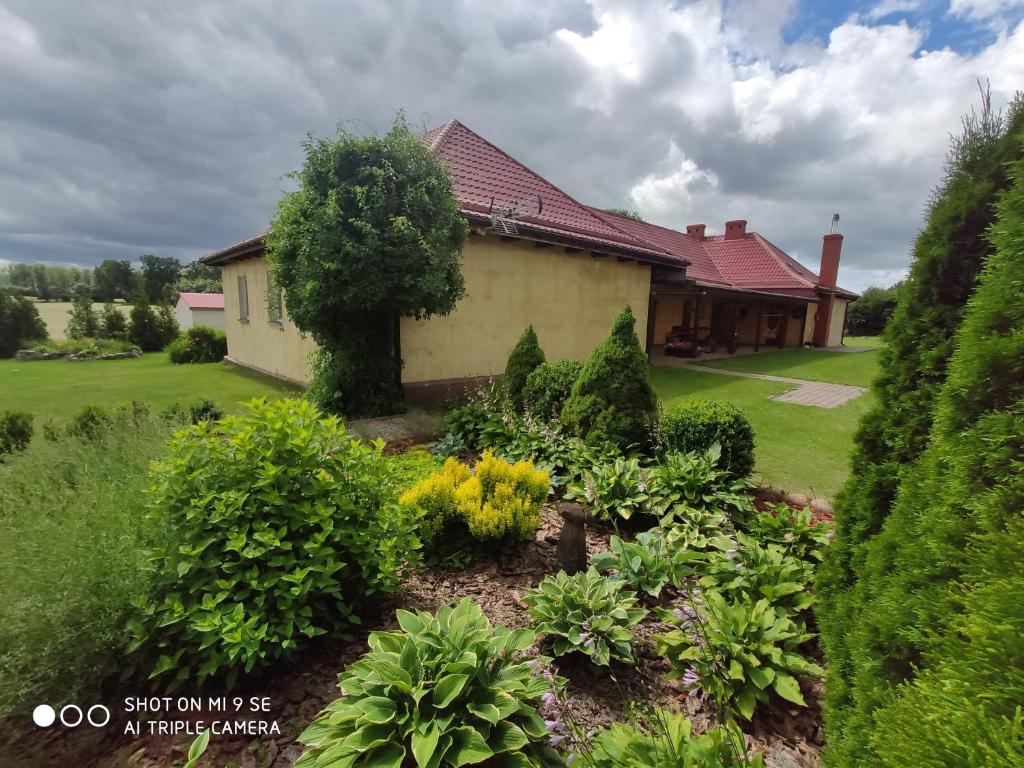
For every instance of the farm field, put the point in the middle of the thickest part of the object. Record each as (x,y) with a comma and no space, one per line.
(55,315)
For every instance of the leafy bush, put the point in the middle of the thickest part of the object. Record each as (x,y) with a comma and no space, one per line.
(151,330)
(683,482)
(586,613)
(666,740)
(447,690)
(612,400)
(498,502)
(73,562)
(548,386)
(694,427)
(89,423)
(15,432)
(409,467)
(199,344)
(19,323)
(278,526)
(112,324)
(736,652)
(790,529)
(524,359)
(83,323)
(644,564)
(204,410)
(750,571)
(614,490)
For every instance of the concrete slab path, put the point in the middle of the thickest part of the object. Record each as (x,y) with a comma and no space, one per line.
(821,394)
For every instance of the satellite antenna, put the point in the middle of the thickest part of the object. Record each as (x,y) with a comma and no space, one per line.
(835,222)
(504,217)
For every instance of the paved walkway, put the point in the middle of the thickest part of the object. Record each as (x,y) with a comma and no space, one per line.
(818,393)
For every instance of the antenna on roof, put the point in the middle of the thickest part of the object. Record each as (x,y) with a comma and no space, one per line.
(835,222)
(503,218)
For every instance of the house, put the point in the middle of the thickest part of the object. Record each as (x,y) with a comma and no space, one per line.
(200,309)
(537,256)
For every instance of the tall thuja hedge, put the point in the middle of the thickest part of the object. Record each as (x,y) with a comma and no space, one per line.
(612,401)
(373,234)
(948,255)
(525,357)
(945,575)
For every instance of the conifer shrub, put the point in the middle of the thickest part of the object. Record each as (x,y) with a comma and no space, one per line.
(83,322)
(612,401)
(279,526)
(524,359)
(112,323)
(694,427)
(151,329)
(928,609)
(548,386)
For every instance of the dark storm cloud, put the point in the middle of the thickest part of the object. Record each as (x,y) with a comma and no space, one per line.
(128,128)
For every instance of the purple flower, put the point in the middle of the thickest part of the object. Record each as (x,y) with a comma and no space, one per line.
(547,699)
(691,679)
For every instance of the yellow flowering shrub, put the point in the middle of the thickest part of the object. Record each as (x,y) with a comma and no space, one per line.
(498,500)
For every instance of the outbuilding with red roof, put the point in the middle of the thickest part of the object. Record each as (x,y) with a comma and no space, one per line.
(200,309)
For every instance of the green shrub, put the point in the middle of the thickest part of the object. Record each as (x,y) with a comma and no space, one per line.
(446,690)
(73,561)
(15,432)
(409,467)
(790,529)
(90,422)
(681,483)
(19,323)
(644,564)
(84,348)
(524,359)
(585,613)
(548,386)
(204,410)
(612,400)
(151,330)
(199,344)
(694,427)
(278,527)
(666,740)
(83,323)
(736,652)
(112,323)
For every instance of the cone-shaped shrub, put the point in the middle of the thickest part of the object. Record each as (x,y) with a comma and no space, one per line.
(525,357)
(612,400)
(942,578)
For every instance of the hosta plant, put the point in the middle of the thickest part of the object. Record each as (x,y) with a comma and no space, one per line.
(792,529)
(447,690)
(276,526)
(613,490)
(683,482)
(697,530)
(752,571)
(735,652)
(666,740)
(587,613)
(644,564)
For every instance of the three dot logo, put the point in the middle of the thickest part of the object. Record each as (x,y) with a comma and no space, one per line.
(71,716)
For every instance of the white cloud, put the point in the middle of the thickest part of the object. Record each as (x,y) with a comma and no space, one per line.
(981,10)
(889,7)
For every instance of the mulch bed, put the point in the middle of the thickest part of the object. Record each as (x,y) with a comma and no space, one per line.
(789,736)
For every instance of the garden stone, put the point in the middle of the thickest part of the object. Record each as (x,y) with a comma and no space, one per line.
(821,506)
(31,354)
(797,500)
(572,543)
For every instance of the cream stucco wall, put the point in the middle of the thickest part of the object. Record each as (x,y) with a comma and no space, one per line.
(570,299)
(275,348)
(835,325)
(189,317)
(812,313)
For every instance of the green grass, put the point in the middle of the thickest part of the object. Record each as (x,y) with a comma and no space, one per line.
(863,341)
(57,389)
(798,447)
(858,368)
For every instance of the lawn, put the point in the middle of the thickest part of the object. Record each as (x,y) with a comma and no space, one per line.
(57,389)
(55,315)
(858,368)
(799,448)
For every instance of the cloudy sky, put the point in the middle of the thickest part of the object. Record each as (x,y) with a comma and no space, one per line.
(134,127)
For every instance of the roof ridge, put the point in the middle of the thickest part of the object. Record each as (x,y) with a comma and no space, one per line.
(442,135)
(774,252)
(627,237)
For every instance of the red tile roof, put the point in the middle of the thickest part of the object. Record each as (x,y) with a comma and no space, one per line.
(486,177)
(202,300)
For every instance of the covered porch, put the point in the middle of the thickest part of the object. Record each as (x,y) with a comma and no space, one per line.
(695,321)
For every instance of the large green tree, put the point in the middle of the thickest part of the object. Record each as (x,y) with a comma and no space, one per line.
(19,323)
(114,280)
(196,278)
(373,234)
(158,275)
(868,315)
(948,256)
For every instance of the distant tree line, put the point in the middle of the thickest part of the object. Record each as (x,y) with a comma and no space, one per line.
(868,315)
(159,279)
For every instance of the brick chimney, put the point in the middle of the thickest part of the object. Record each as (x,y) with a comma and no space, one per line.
(696,230)
(829,271)
(735,229)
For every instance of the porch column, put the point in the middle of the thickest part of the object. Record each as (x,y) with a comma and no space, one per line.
(757,334)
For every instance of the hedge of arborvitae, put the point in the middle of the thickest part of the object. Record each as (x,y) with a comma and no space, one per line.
(612,401)
(875,631)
